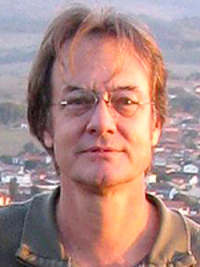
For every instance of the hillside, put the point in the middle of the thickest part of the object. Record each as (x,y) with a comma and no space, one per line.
(175,24)
(21,31)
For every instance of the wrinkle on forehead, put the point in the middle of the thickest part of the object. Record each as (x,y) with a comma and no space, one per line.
(123,53)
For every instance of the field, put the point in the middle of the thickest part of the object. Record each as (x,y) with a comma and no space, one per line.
(13,83)
(12,141)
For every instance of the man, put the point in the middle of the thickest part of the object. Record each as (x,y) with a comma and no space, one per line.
(97,103)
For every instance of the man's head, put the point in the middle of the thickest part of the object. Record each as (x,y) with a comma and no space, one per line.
(71,27)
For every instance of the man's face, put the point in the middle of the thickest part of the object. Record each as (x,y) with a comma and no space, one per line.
(102,148)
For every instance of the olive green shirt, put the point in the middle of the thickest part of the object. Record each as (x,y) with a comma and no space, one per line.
(29,236)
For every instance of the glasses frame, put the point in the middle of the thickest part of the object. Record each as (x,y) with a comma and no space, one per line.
(97,98)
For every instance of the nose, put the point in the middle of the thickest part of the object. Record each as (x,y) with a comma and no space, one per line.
(102,120)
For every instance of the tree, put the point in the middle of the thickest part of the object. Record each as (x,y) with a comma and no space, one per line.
(31,164)
(13,189)
(6,159)
(11,112)
(30,147)
(189,142)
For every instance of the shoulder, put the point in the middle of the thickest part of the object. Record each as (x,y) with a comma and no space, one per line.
(194,232)
(19,223)
(11,226)
(183,234)
(190,231)
(12,220)
(12,215)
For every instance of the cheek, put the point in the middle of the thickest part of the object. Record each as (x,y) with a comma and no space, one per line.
(138,138)
(63,148)
(64,137)
(67,133)
(137,131)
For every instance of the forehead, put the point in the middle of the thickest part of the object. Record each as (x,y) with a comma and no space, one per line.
(99,61)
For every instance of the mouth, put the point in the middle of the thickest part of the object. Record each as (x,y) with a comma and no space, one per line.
(100,150)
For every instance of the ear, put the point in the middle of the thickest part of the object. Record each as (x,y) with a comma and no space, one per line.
(156,132)
(48,139)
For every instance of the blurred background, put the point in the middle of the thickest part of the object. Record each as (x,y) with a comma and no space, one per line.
(26,169)
(175,24)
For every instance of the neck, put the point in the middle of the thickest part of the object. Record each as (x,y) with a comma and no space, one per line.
(112,224)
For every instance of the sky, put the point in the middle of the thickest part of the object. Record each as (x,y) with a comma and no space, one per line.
(46,9)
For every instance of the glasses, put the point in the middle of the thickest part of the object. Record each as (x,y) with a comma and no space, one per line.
(79,102)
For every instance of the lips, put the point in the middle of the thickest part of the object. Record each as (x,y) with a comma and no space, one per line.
(100,150)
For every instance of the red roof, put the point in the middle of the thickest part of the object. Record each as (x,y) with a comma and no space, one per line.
(175,204)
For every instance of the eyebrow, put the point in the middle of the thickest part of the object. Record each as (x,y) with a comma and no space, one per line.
(126,88)
(71,88)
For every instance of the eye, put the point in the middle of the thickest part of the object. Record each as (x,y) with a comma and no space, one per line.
(126,101)
(78,102)
(78,98)
(125,98)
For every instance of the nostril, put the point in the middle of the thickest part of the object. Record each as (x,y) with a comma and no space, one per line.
(100,130)
(92,131)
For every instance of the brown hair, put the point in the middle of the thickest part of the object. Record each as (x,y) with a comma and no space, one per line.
(73,24)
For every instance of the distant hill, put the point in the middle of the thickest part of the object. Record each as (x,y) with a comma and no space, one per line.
(13,24)
(156,8)
(179,38)
(175,24)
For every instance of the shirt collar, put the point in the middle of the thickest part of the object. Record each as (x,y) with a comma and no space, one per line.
(40,244)
(172,242)
(40,241)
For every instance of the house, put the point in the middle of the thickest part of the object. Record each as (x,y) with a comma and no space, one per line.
(178,117)
(161,189)
(195,217)
(151,178)
(171,133)
(178,205)
(160,158)
(194,181)
(21,177)
(194,192)
(198,142)
(190,169)
(178,183)
(159,162)
(17,161)
(173,168)
(197,89)
(4,199)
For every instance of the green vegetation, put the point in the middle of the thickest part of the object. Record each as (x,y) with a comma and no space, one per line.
(184,102)
(11,113)
(12,141)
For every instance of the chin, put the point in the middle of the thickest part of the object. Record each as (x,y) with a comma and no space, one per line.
(101,184)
